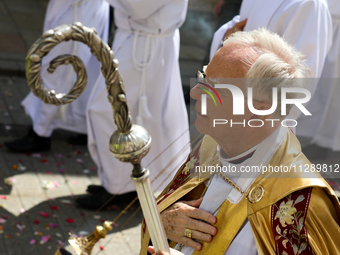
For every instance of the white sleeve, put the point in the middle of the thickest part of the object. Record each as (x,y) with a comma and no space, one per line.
(218,35)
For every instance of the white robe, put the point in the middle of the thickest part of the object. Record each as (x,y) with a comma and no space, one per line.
(72,117)
(146,45)
(324,124)
(305,24)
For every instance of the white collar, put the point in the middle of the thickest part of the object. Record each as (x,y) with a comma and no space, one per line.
(264,152)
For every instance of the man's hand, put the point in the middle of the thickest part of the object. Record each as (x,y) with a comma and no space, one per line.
(186,215)
(218,7)
(151,249)
(237,27)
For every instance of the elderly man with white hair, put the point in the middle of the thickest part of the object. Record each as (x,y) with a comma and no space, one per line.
(246,188)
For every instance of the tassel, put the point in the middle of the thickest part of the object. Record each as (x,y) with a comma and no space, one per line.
(144,110)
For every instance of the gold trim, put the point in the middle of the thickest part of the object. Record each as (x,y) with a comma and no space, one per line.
(255,194)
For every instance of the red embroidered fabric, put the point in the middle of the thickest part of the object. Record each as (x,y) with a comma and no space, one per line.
(185,172)
(288,224)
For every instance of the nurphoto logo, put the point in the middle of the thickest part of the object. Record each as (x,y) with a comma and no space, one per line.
(239,99)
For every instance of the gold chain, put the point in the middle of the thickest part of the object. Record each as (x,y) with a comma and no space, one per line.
(225,178)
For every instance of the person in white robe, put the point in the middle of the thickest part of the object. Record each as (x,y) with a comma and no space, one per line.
(146,45)
(72,117)
(306,25)
(323,127)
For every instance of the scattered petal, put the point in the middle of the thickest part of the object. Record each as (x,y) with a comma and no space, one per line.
(44,214)
(7,127)
(9,181)
(22,210)
(74,182)
(61,170)
(114,207)
(70,220)
(19,227)
(53,225)
(45,239)
(5,217)
(2,221)
(1,230)
(48,172)
(83,233)
(36,155)
(79,160)
(33,241)
(21,167)
(65,201)
(9,236)
(43,160)
(59,235)
(101,247)
(92,168)
(97,217)
(3,197)
(47,184)
(114,224)
(54,207)
(60,156)
(86,171)
(61,243)
(14,167)
(36,222)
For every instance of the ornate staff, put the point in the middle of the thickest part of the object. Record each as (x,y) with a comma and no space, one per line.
(130,143)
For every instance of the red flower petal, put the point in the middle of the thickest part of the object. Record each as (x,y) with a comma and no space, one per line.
(54,207)
(36,222)
(101,247)
(70,220)
(43,214)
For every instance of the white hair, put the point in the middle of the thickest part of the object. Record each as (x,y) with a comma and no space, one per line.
(274,60)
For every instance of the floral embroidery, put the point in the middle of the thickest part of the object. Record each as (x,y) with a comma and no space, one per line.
(189,165)
(286,211)
(288,224)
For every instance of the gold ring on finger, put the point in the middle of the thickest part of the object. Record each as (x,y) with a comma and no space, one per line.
(187,232)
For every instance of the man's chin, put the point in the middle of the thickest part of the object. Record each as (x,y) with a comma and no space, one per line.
(201,127)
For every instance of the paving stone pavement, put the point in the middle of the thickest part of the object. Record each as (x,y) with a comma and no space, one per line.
(66,170)
(46,181)
(21,23)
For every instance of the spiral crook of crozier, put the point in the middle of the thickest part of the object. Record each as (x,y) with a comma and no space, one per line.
(77,32)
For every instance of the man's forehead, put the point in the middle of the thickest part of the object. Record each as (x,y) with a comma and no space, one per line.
(229,62)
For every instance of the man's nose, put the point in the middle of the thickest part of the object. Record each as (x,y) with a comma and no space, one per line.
(195,92)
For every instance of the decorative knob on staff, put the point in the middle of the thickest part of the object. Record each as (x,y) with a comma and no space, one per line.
(129,143)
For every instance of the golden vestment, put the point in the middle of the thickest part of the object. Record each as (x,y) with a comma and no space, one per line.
(295,215)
